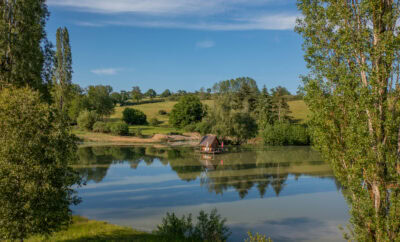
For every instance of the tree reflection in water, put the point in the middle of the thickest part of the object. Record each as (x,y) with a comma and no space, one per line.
(240,170)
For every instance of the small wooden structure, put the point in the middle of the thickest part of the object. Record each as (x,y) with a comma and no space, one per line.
(210,144)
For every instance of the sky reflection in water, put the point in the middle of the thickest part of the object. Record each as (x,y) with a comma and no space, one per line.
(287,193)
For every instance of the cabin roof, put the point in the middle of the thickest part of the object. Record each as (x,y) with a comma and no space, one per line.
(209,140)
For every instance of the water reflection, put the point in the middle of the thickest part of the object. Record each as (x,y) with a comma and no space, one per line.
(240,170)
(287,193)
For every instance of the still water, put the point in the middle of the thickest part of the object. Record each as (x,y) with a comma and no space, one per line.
(287,193)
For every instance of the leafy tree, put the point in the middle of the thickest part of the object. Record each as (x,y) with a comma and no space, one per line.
(280,91)
(188,110)
(99,100)
(116,97)
(134,117)
(151,93)
(87,119)
(36,148)
(137,94)
(352,49)
(24,49)
(63,68)
(265,111)
(166,93)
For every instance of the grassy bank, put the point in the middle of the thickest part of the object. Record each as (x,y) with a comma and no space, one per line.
(83,229)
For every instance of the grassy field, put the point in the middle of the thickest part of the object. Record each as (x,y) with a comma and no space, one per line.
(83,229)
(299,112)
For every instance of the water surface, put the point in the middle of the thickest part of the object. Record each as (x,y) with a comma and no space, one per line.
(287,193)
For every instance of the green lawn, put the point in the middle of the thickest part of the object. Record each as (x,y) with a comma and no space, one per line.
(83,229)
(299,110)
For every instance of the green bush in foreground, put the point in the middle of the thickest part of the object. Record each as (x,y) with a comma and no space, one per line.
(210,227)
(101,127)
(87,119)
(286,134)
(134,117)
(119,128)
(35,177)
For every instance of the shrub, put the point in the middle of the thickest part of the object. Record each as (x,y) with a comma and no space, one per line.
(190,128)
(134,116)
(119,128)
(210,227)
(101,127)
(154,122)
(137,132)
(162,112)
(188,110)
(86,119)
(286,134)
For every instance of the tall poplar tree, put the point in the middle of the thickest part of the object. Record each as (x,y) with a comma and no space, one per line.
(352,48)
(63,67)
(23,44)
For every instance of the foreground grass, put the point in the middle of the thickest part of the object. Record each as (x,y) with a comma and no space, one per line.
(83,229)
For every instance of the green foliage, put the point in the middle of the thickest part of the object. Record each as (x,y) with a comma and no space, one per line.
(352,50)
(209,227)
(166,93)
(151,93)
(63,68)
(257,238)
(117,98)
(136,94)
(25,54)
(99,100)
(188,110)
(137,132)
(285,134)
(119,128)
(87,119)
(154,122)
(134,117)
(101,127)
(36,146)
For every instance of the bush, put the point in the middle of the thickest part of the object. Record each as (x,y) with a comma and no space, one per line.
(188,110)
(210,227)
(134,117)
(162,112)
(154,122)
(119,128)
(286,134)
(87,119)
(101,127)
(137,133)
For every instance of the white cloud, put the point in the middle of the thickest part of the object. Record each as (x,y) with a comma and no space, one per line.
(106,71)
(205,44)
(187,14)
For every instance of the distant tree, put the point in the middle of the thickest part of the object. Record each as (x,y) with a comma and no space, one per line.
(280,91)
(87,119)
(63,68)
(209,90)
(124,97)
(266,110)
(166,93)
(116,97)
(188,110)
(151,93)
(181,92)
(36,180)
(134,117)
(25,56)
(137,93)
(99,100)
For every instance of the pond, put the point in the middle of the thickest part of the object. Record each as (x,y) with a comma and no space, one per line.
(287,193)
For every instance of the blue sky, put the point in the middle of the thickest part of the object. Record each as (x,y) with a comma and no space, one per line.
(180,44)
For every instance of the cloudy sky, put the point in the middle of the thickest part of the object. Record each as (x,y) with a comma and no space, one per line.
(180,44)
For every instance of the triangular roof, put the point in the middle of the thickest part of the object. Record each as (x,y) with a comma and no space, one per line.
(208,140)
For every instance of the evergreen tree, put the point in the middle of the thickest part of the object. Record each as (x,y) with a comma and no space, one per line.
(24,48)
(352,49)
